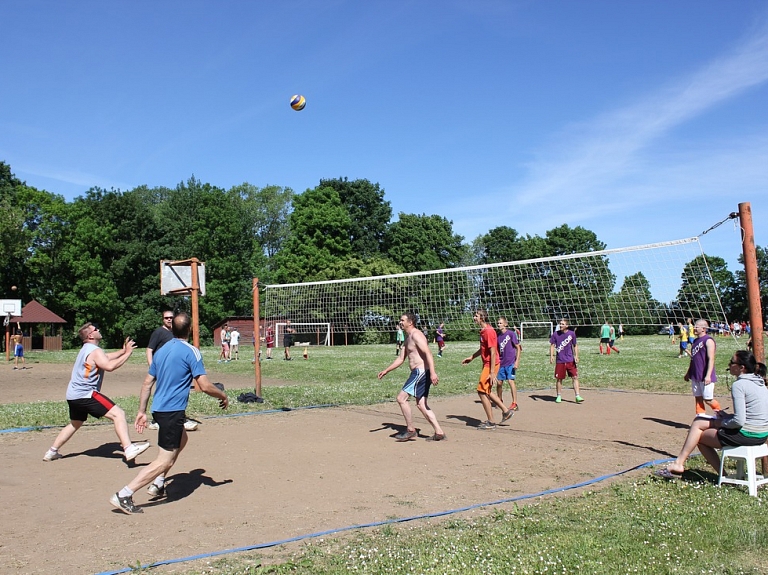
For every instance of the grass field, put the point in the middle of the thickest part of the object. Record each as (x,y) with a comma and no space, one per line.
(633,526)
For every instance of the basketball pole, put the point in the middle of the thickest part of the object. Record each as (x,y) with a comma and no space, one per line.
(8,338)
(752,280)
(195,314)
(256,337)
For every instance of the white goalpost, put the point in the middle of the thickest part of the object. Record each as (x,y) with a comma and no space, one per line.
(648,285)
(545,327)
(319,332)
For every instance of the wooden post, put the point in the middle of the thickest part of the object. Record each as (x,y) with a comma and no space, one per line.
(752,281)
(257,333)
(195,314)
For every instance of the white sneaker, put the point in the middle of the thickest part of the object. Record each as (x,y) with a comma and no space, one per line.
(135,449)
(155,490)
(153,425)
(190,424)
(52,455)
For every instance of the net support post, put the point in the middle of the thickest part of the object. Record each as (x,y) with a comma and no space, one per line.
(257,339)
(752,281)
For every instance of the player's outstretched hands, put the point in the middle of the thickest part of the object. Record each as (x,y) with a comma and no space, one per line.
(467,360)
(129,345)
(382,374)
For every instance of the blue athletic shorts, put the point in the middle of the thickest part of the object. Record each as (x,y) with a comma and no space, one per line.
(506,372)
(418,383)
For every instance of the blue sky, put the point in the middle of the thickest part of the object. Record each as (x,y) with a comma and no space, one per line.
(642,121)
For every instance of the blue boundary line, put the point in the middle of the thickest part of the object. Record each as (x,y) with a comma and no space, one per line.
(386,522)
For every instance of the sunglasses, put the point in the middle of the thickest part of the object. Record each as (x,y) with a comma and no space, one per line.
(170,317)
(730,363)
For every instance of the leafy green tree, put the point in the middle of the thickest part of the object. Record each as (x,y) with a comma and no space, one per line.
(368,211)
(737,306)
(319,238)
(422,243)
(636,307)
(706,281)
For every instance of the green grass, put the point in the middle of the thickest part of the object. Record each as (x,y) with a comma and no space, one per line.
(632,526)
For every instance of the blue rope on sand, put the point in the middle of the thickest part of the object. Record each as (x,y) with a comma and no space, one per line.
(386,522)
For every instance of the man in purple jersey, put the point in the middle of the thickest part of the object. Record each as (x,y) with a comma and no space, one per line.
(701,370)
(509,359)
(564,349)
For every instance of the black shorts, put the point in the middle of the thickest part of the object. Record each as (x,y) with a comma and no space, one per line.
(734,438)
(171,428)
(97,406)
(604,340)
(287,341)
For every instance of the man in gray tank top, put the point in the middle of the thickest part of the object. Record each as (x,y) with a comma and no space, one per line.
(84,395)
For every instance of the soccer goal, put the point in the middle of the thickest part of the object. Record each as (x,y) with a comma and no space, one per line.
(531,329)
(315,333)
(650,285)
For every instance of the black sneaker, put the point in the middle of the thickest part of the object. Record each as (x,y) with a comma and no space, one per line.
(125,504)
(407,435)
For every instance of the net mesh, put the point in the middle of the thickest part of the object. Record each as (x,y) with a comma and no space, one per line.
(649,285)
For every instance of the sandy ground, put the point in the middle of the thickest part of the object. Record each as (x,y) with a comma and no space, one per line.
(255,479)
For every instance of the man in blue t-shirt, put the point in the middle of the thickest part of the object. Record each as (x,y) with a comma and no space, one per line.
(174,367)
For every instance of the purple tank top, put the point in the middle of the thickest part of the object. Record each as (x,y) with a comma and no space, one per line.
(700,359)
(564,342)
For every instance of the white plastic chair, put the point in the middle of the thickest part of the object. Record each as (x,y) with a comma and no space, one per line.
(748,454)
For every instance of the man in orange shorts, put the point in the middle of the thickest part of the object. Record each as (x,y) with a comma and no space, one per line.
(489,352)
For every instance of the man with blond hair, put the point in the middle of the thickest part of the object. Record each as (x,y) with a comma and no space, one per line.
(84,392)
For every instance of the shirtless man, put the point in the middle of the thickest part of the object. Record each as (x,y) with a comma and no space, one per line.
(423,374)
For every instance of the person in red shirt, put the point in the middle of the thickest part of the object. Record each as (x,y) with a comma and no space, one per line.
(489,353)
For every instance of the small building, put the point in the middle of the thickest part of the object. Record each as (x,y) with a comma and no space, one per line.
(243,324)
(40,326)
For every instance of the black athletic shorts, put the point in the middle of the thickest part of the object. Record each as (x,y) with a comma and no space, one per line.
(171,428)
(96,406)
(287,340)
(734,438)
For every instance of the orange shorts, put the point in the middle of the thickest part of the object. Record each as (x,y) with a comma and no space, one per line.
(484,385)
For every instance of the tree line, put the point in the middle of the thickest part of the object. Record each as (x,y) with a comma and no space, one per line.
(96,258)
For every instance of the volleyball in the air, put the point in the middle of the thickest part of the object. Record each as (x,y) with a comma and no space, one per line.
(298,102)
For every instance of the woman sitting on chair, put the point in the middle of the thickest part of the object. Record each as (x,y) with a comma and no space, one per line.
(747,426)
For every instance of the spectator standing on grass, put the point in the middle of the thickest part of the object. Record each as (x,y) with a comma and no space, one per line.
(423,375)
(701,370)
(440,339)
(489,353)
(224,336)
(269,339)
(612,341)
(399,339)
(509,358)
(84,395)
(174,368)
(747,426)
(288,340)
(621,331)
(683,341)
(234,344)
(564,353)
(605,335)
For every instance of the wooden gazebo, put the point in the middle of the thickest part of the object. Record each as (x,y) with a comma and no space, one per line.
(35,313)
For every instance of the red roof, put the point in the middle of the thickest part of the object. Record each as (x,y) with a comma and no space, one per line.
(35,312)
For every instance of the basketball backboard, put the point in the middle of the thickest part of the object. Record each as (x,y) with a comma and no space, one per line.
(176,277)
(10,307)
